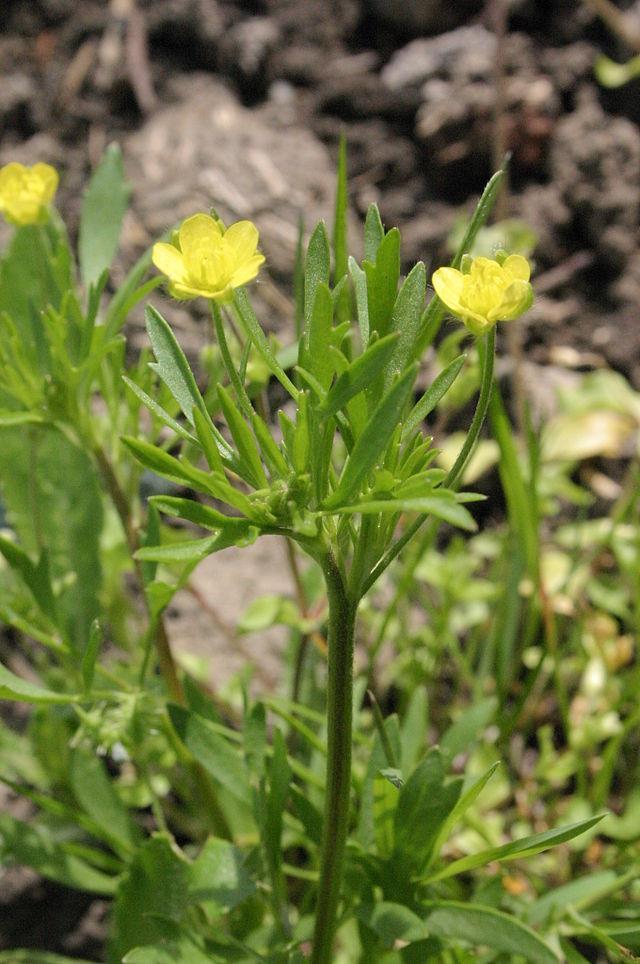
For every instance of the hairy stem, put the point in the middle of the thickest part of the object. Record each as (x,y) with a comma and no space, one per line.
(342,617)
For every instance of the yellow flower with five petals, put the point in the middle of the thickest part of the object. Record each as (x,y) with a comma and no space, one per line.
(25,192)
(206,260)
(488,292)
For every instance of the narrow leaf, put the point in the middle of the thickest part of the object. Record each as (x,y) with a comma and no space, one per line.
(486,927)
(382,282)
(442,508)
(192,511)
(373,440)
(251,326)
(16,689)
(373,233)
(103,208)
(525,847)
(359,375)
(158,411)
(407,313)
(438,388)
(172,365)
(317,268)
(209,748)
(359,278)
(242,435)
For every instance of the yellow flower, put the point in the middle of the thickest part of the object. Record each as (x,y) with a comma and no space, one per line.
(25,192)
(490,291)
(207,260)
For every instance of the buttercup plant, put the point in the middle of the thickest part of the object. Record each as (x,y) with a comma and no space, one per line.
(349,478)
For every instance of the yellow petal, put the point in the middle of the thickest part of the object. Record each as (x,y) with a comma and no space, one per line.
(10,178)
(484,270)
(198,234)
(184,293)
(448,284)
(169,261)
(517,298)
(243,238)
(48,177)
(247,271)
(517,268)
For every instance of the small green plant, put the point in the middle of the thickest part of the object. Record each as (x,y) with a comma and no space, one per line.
(275,829)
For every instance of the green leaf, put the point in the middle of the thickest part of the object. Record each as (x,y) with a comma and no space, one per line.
(317,268)
(152,898)
(382,282)
(180,951)
(413,734)
(271,454)
(103,208)
(436,391)
(392,922)
(158,411)
(35,576)
(95,793)
(519,491)
(465,800)
(14,688)
(249,456)
(220,874)
(440,506)
(195,549)
(373,233)
(182,472)
(584,891)
(406,317)
(172,365)
(316,357)
(359,375)
(53,500)
(373,441)
(517,849)
(424,804)
(35,846)
(201,515)
(463,735)
(275,800)
(246,317)
(486,927)
(217,755)
(214,446)
(359,279)
(385,802)
(302,437)
(9,419)
(90,655)
(31,956)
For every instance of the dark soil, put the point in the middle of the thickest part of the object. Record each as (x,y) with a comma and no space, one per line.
(241,104)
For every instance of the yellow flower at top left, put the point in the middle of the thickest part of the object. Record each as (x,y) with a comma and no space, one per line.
(25,192)
(208,260)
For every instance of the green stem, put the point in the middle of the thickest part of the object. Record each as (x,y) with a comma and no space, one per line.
(342,618)
(487,348)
